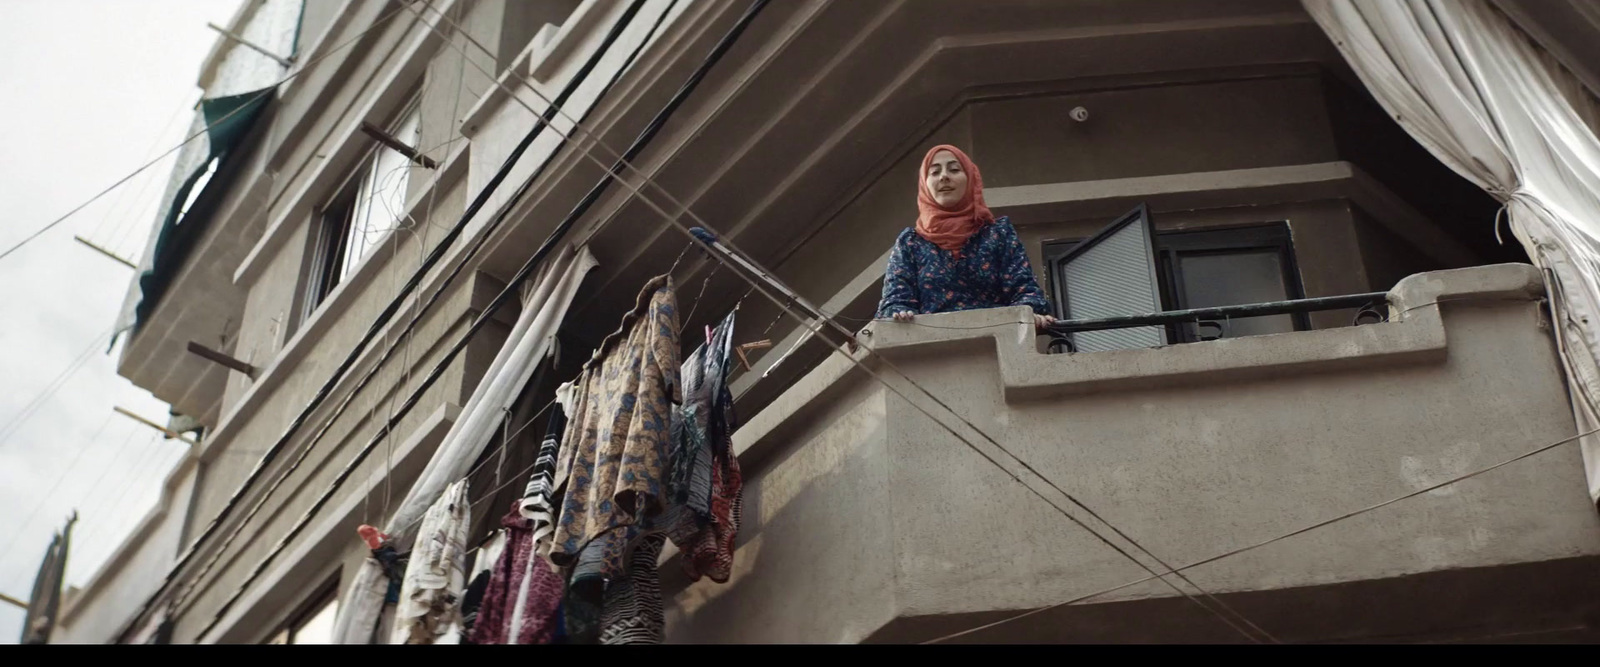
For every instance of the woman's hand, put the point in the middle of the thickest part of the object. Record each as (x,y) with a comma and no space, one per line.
(1042,322)
(904,316)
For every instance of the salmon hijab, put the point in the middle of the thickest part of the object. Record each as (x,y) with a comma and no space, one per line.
(949,228)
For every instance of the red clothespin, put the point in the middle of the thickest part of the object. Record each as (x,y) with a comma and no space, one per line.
(372,537)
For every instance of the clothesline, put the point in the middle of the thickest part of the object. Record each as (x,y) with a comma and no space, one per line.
(608,598)
(786,304)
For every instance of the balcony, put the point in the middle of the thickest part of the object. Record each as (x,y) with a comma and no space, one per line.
(866,521)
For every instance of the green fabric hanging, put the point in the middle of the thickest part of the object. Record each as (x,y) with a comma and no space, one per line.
(228,121)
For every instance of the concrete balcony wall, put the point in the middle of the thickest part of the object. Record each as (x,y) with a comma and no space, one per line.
(98,612)
(865,520)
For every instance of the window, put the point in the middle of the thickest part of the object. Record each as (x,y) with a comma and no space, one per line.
(367,207)
(1230,267)
(313,623)
(1130,269)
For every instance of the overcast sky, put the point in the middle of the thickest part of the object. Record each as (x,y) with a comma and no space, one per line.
(89,91)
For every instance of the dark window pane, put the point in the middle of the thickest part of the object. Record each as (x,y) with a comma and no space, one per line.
(1236,278)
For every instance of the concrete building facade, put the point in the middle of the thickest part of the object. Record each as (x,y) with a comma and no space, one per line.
(1260,166)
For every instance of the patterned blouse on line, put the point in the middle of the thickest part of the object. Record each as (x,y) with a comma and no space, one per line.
(992,272)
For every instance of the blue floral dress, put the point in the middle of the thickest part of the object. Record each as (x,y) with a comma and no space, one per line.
(992,272)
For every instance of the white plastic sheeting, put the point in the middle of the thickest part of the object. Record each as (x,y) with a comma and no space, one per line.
(544,306)
(1485,100)
(273,26)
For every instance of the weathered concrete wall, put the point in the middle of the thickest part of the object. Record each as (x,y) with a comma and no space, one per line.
(1168,129)
(1386,258)
(814,536)
(1134,130)
(98,612)
(1193,450)
(1368,137)
(315,19)
(258,411)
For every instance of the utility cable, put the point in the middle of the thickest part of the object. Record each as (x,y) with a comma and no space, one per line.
(45,497)
(624,162)
(373,331)
(263,93)
(501,299)
(1279,538)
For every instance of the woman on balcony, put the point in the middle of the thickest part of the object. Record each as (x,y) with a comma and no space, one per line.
(958,256)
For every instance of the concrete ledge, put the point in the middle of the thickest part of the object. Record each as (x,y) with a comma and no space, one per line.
(1415,334)
(586,19)
(1192,470)
(1522,602)
(136,541)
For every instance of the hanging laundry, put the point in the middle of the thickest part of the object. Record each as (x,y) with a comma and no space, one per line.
(544,304)
(435,572)
(613,458)
(689,479)
(392,562)
(632,611)
(701,500)
(711,554)
(538,499)
(706,486)
(478,583)
(523,591)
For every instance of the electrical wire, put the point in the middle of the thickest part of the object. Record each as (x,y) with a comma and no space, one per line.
(583,205)
(388,352)
(155,463)
(116,230)
(394,305)
(33,406)
(1024,463)
(127,445)
(506,294)
(272,452)
(263,93)
(624,161)
(1279,538)
(45,497)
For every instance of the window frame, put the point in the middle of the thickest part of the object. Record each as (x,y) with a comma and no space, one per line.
(1232,239)
(1167,245)
(334,224)
(1061,303)
(329,243)
(327,593)
(1071,249)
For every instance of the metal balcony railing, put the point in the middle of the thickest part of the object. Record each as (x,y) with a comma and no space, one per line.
(1369,305)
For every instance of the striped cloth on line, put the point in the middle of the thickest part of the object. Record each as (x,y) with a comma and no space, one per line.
(633,611)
